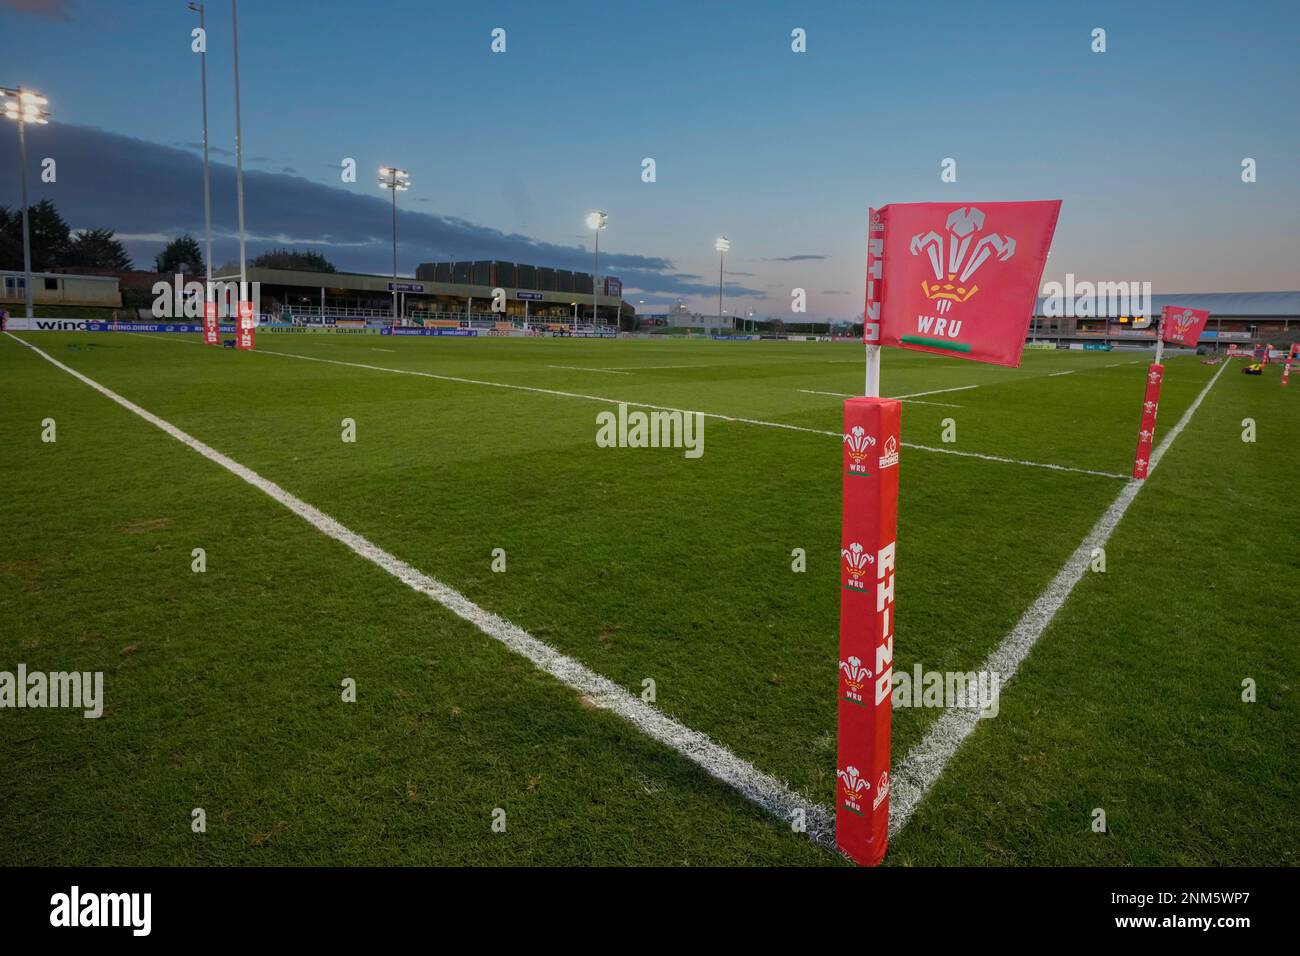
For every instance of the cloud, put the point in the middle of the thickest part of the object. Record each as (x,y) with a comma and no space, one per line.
(146,190)
(212,149)
(650,282)
(802,257)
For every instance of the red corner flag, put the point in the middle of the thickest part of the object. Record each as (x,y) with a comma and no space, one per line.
(945,278)
(961,280)
(1179,326)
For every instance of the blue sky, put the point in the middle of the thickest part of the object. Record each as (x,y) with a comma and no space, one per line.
(783,152)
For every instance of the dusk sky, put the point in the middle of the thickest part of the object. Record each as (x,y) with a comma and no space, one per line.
(782,151)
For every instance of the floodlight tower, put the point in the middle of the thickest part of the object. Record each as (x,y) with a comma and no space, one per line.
(595,220)
(25,107)
(396,180)
(723,245)
(207,178)
(239,163)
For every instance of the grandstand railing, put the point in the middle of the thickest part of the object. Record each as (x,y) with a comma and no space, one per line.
(314,315)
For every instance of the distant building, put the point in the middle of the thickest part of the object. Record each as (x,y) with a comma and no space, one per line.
(1234,317)
(55,289)
(438,293)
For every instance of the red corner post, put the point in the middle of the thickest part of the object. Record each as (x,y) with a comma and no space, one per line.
(1147,430)
(1151,400)
(868,534)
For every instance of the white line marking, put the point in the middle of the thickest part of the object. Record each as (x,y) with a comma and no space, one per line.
(579,368)
(637,368)
(939,391)
(913,776)
(669,408)
(768,792)
(1055,374)
(1014,461)
(174,336)
(548,391)
(382,350)
(913,401)
(687,411)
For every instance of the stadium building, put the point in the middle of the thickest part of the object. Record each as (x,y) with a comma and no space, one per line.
(1234,317)
(442,293)
(60,289)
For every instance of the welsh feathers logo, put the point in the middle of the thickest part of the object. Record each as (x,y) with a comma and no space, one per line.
(856,562)
(957,256)
(1184,321)
(855,677)
(890,457)
(852,786)
(859,445)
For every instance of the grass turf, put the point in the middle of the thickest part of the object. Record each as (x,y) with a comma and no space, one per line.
(223,688)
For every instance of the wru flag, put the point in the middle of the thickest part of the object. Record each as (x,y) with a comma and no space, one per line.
(957,280)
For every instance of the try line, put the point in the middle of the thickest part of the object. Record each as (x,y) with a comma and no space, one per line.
(686,411)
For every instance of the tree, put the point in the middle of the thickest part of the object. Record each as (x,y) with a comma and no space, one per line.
(11,242)
(96,249)
(50,237)
(180,255)
(309,261)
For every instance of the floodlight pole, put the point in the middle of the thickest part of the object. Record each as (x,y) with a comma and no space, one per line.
(721,256)
(26,105)
(207,179)
(239,159)
(27,235)
(394,179)
(595,282)
(722,244)
(394,192)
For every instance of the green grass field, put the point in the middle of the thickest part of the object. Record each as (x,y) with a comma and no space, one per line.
(223,689)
